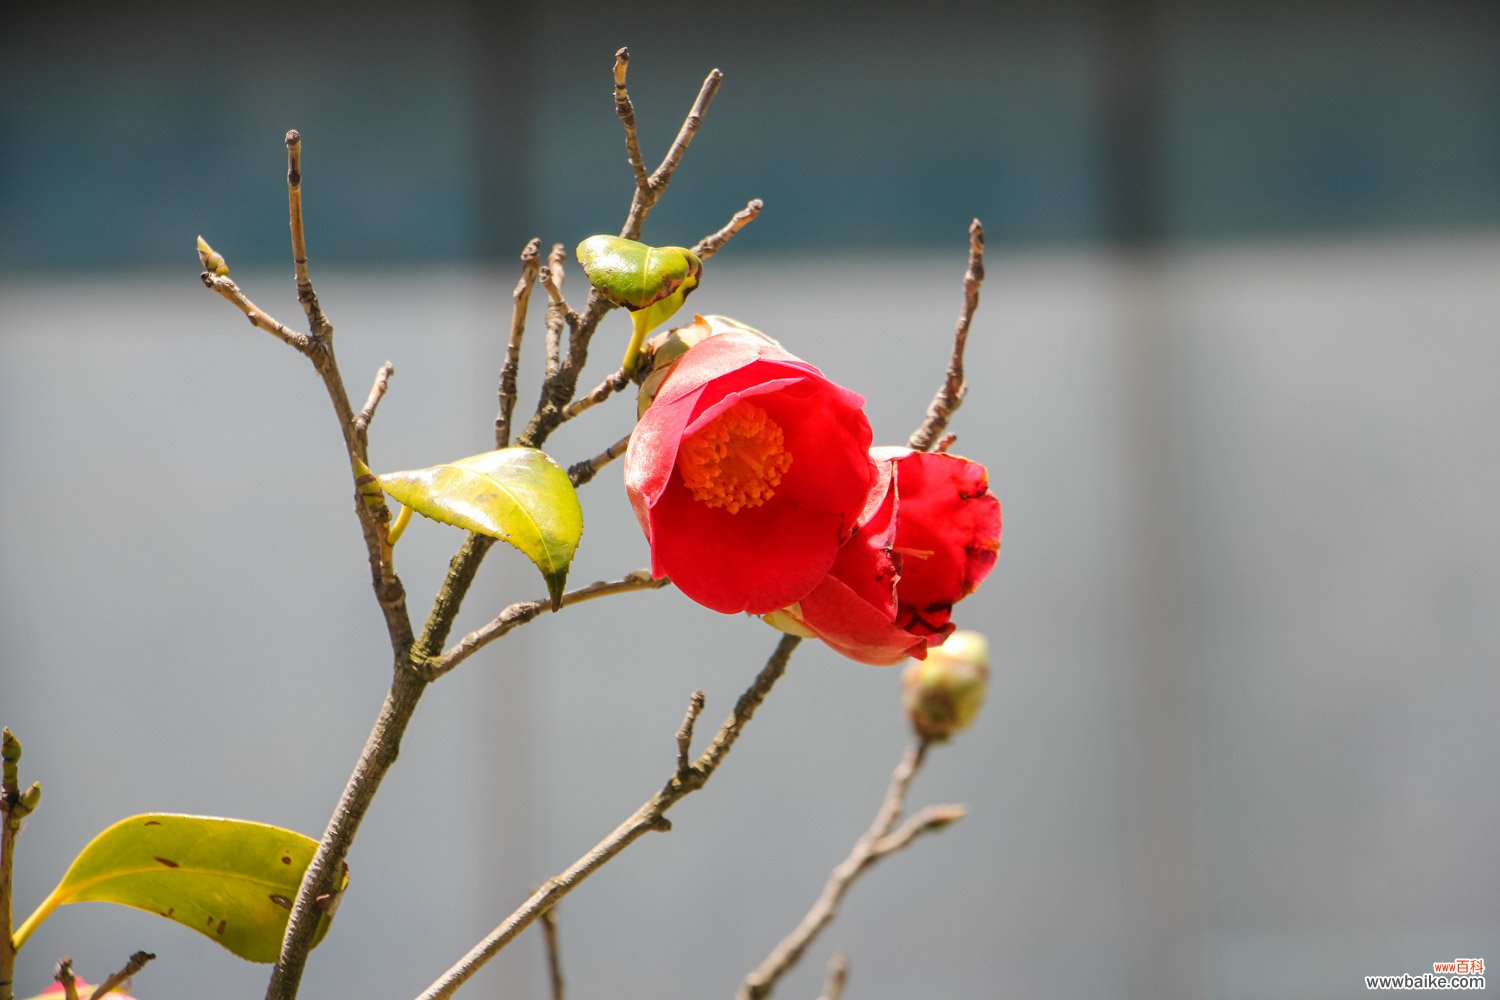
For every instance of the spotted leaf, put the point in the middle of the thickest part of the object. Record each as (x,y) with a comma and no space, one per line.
(229,879)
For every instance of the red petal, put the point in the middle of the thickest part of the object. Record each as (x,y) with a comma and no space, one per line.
(757,560)
(767,557)
(855,627)
(948,535)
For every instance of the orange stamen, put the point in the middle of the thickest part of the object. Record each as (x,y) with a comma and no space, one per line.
(737,461)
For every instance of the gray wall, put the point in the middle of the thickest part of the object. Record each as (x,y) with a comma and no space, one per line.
(1241,730)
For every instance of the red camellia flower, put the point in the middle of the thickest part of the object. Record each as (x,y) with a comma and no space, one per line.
(748,473)
(928,536)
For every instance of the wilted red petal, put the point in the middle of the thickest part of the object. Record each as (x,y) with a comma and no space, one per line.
(925,540)
(948,535)
(855,627)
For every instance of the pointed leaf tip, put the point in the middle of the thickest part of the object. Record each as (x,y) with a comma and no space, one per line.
(518,495)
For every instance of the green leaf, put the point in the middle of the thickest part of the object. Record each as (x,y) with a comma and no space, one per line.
(229,879)
(635,275)
(518,495)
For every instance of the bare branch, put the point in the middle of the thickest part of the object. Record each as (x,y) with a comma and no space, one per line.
(877,842)
(838,975)
(316,321)
(524,611)
(619,380)
(381,748)
(582,472)
(367,413)
(531,263)
(557,309)
(136,964)
(10,826)
(710,245)
(62,972)
(329,861)
(626,110)
(552,281)
(227,288)
(950,394)
(685,731)
(924,820)
(554,957)
(562,378)
(650,816)
(646,196)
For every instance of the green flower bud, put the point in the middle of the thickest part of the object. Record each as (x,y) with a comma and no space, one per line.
(667,347)
(942,693)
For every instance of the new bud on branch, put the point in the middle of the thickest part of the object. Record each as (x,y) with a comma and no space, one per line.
(753,478)
(942,693)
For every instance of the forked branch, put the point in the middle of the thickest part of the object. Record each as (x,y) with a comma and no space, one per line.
(881,839)
(650,816)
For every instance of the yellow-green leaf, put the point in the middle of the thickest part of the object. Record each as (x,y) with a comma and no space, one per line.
(635,275)
(229,879)
(518,495)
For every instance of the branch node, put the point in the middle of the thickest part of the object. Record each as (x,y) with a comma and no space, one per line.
(136,963)
(685,731)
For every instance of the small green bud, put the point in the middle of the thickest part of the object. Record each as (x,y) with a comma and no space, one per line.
(942,693)
(667,347)
(30,798)
(212,262)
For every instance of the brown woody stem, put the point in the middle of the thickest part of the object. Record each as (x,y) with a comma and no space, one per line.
(531,263)
(650,816)
(876,843)
(951,393)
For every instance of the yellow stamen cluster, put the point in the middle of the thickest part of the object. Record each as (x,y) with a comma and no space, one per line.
(737,461)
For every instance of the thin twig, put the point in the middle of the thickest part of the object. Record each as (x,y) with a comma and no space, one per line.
(381,748)
(582,472)
(646,197)
(316,321)
(650,816)
(685,731)
(626,110)
(136,964)
(552,277)
(876,843)
(226,287)
(367,412)
(710,245)
(838,975)
(554,956)
(562,378)
(10,825)
(619,380)
(950,394)
(531,263)
(62,972)
(522,612)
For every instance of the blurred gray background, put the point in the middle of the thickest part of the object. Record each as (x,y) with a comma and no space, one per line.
(1234,376)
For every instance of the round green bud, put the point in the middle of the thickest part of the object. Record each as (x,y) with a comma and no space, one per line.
(942,693)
